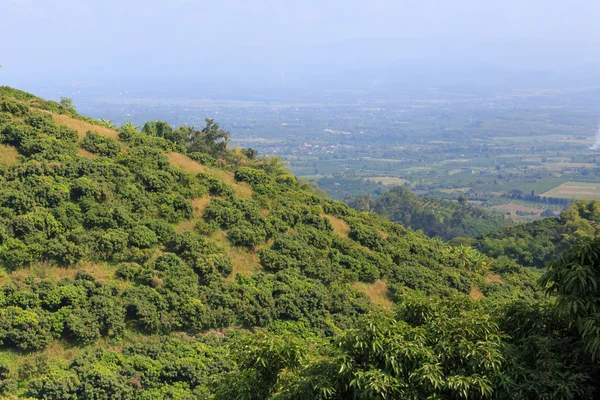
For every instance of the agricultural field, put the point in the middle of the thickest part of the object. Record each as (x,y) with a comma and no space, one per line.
(576,190)
(388,180)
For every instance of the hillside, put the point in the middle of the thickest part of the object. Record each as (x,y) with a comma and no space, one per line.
(539,242)
(435,217)
(165,264)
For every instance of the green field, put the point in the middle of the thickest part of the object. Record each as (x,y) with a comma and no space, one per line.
(388,180)
(576,190)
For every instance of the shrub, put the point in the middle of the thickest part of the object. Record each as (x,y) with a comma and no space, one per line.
(24,329)
(244,234)
(128,271)
(142,237)
(59,385)
(14,107)
(112,242)
(252,176)
(100,145)
(203,158)
(222,212)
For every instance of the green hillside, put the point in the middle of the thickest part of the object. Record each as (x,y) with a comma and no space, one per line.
(164,264)
(435,217)
(539,242)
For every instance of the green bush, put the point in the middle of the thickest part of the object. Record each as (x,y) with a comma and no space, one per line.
(59,385)
(24,329)
(128,271)
(142,237)
(203,158)
(244,234)
(14,107)
(103,146)
(252,176)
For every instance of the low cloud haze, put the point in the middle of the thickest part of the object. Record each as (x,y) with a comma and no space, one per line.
(269,43)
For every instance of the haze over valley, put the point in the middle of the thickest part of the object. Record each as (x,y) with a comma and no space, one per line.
(299,200)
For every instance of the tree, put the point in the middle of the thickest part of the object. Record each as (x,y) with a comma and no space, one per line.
(574,277)
(107,123)
(158,128)
(211,139)
(129,125)
(429,349)
(68,103)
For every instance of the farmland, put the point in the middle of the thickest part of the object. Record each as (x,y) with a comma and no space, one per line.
(576,190)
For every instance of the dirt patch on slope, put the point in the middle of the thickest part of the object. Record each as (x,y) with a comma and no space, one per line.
(340,226)
(489,278)
(241,189)
(376,292)
(83,127)
(476,293)
(8,155)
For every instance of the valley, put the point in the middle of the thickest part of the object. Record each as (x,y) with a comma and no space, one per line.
(485,142)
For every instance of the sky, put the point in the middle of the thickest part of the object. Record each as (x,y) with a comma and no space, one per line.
(243,40)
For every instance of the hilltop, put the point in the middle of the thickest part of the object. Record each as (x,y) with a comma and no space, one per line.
(163,263)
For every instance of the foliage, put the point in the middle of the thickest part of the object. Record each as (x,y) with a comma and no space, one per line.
(123,268)
(573,277)
(539,242)
(211,140)
(436,218)
(94,143)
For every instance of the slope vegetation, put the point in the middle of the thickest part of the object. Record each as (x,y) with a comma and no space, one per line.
(435,217)
(539,242)
(170,266)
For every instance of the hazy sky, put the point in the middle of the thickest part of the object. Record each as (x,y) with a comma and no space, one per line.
(112,37)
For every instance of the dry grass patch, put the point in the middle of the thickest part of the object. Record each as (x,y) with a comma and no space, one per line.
(199,204)
(83,127)
(244,261)
(186,163)
(476,293)
(340,227)
(8,155)
(376,292)
(241,189)
(102,272)
(265,245)
(56,350)
(86,154)
(185,226)
(489,278)
(383,234)
(219,238)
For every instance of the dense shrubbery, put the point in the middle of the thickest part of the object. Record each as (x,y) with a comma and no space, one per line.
(435,217)
(100,145)
(537,243)
(129,262)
